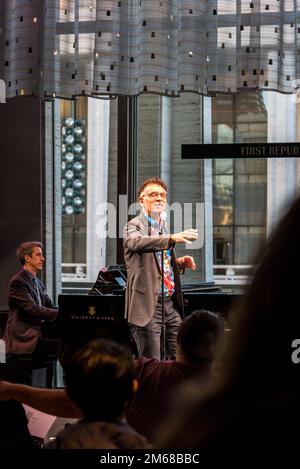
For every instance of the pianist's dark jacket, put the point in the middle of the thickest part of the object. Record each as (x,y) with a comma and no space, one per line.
(25,314)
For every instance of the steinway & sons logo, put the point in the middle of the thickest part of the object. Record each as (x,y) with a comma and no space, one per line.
(91,314)
(92,310)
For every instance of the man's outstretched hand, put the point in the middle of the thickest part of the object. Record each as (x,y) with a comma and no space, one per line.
(187,236)
(186,261)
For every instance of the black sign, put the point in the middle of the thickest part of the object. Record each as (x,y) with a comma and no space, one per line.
(240,150)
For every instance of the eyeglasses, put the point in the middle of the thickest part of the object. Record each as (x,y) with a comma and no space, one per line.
(154,195)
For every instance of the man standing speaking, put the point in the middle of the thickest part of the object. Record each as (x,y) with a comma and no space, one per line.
(148,248)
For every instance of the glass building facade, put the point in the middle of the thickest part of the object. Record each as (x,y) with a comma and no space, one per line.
(241,199)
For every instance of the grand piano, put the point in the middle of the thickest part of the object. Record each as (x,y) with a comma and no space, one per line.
(100,311)
(82,318)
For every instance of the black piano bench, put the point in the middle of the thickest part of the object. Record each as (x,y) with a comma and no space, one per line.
(18,368)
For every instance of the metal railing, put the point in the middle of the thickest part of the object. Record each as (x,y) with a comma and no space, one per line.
(73,272)
(226,274)
(232,274)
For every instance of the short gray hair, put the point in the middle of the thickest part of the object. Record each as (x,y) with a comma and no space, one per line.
(26,249)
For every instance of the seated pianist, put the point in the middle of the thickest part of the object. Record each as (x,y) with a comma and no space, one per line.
(29,306)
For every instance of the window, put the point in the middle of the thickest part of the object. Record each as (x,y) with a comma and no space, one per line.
(239,200)
(85,245)
(249,194)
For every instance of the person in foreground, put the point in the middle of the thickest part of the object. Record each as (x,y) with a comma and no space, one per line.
(146,241)
(199,339)
(255,402)
(29,305)
(100,382)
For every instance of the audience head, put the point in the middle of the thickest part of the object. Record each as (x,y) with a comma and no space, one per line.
(199,336)
(27,249)
(99,379)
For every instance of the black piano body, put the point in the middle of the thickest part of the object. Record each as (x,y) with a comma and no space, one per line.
(82,318)
(220,301)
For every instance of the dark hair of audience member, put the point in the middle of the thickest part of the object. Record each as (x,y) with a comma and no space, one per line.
(14,432)
(199,335)
(99,379)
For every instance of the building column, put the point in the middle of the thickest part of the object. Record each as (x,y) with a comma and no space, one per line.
(208,195)
(188,178)
(21,216)
(97,181)
(52,198)
(282,172)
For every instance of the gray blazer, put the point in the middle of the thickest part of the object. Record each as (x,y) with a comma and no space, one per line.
(25,314)
(143,271)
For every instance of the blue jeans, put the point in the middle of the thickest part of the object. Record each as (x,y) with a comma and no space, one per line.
(148,339)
